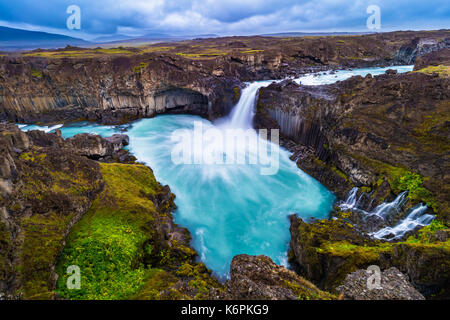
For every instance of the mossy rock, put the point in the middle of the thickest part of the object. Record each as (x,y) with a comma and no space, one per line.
(327,250)
(119,245)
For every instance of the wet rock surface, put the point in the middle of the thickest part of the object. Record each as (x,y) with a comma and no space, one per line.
(393,286)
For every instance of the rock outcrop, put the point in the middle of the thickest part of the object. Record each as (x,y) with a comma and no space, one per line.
(393,286)
(436,58)
(58,207)
(418,47)
(259,278)
(45,191)
(200,77)
(326,251)
(385,134)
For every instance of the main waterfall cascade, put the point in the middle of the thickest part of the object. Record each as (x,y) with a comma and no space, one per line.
(229,209)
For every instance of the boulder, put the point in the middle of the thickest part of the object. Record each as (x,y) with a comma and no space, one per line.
(393,286)
(258,277)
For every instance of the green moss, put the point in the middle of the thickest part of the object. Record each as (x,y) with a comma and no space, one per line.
(33,156)
(325,243)
(49,189)
(36,73)
(82,53)
(140,67)
(432,132)
(402,179)
(340,173)
(425,235)
(118,249)
(5,241)
(441,70)
(207,53)
(108,243)
(237,93)
(251,51)
(43,236)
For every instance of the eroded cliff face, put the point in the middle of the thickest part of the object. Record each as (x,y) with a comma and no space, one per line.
(369,132)
(385,135)
(109,90)
(326,251)
(199,77)
(111,218)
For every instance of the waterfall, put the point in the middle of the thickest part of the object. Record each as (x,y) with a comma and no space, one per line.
(241,117)
(388,209)
(46,129)
(352,200)
(417,217)
(228,209)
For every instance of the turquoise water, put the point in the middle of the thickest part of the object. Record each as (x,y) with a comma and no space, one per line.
(229,209)
(328,77)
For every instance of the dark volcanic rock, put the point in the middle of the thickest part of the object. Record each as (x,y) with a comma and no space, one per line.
(368,132)
(394,286)
(43,192)
(48,184)
(258,277)
(102,149)
(325,251)
(408,53)
(140,83)
(441,57)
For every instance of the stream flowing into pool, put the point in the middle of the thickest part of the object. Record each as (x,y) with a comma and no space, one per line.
(229,209)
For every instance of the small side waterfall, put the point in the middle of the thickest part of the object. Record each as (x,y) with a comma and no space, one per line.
(416,218)
(352,201)
(387,211)
(46,129)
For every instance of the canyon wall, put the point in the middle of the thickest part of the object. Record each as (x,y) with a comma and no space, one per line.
(199,77)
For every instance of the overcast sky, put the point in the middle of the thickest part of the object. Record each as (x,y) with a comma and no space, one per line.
(222,17)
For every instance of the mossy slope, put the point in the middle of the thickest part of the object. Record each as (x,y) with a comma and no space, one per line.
(119,248)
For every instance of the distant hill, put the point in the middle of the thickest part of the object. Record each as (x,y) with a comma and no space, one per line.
(18,39)
(308,34)
(110,38)
(148,38)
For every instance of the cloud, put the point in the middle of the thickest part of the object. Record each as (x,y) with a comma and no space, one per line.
(225,17)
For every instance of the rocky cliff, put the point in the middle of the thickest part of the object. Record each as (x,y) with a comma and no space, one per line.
(199,77)
(60,208)
(384,135)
